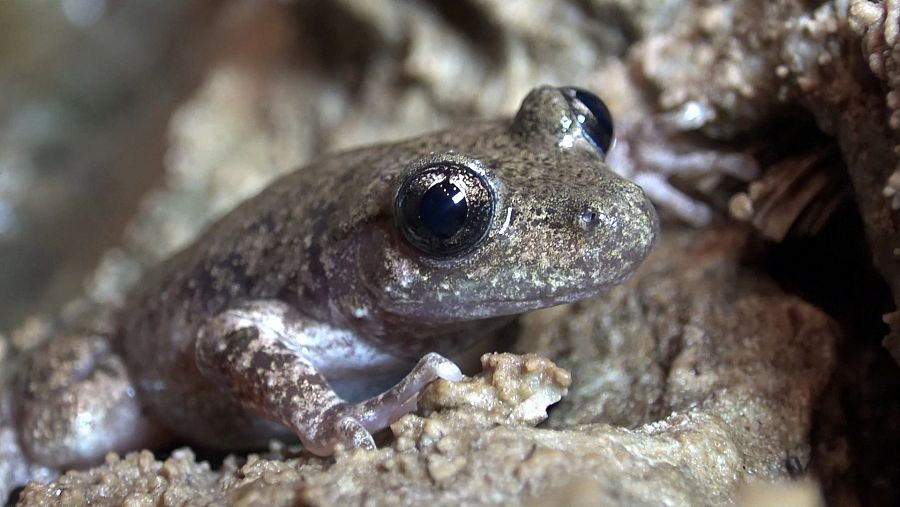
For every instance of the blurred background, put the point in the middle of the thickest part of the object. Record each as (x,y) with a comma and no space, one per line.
(88,87)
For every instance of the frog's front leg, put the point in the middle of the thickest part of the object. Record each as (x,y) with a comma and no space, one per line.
(259,352)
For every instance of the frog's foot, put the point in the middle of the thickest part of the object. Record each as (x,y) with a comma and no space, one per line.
(379,412)
(74,403)
(352,425)
(256,352)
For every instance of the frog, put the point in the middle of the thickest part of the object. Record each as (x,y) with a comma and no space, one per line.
(321,308)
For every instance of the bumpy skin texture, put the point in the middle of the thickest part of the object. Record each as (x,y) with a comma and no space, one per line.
(307,298)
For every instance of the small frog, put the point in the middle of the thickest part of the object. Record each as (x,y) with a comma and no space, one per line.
(324,305)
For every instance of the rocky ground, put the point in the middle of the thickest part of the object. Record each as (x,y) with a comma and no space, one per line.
(739,355)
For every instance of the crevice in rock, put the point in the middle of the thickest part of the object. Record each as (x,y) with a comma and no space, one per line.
(853,435)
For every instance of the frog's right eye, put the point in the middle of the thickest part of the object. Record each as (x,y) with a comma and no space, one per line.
(444,209)
(593,115)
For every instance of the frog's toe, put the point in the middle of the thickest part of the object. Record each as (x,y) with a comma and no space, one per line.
(353,435)
(441,367)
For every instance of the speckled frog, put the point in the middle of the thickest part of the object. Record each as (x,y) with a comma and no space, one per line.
(324,305)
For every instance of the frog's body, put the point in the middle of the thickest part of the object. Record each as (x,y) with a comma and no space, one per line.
(318,284)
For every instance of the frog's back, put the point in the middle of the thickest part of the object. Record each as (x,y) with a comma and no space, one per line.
(259,251)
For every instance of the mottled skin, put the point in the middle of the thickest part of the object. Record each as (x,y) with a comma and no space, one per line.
(310,287)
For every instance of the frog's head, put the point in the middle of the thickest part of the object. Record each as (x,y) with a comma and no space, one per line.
(513,217)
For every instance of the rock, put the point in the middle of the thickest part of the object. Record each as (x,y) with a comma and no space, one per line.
(839,61)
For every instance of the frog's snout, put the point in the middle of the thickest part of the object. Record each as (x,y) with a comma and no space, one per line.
(620,227)
(645,221)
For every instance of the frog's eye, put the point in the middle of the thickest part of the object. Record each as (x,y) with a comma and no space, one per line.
(444,209)
(593,115)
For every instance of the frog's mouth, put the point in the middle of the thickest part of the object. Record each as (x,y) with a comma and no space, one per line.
(453,295)
(438,310)
(514,306)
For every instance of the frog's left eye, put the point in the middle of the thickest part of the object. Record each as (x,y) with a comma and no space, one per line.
(444,209)
(593,115)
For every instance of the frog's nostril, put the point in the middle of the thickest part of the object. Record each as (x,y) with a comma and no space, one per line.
(590,219)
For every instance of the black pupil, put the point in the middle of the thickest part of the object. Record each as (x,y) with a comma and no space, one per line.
(443,209)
